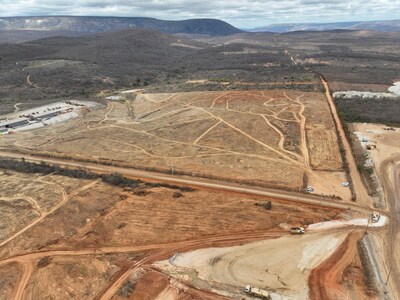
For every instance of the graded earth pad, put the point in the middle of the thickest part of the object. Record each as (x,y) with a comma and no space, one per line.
(275,138)
(280,266)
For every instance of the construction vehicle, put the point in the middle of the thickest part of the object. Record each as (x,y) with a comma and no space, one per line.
(296,230)
(375,216)
(256,292)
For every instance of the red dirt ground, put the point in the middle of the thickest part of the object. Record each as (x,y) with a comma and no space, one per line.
(326,281)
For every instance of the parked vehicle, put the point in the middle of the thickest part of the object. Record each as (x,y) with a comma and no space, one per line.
(297,230)
(259,293)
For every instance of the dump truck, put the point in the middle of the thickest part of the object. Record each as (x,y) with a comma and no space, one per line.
(296,230)
(256,292)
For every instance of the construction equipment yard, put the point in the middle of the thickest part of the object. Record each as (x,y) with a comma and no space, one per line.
(38,117)
(199,195)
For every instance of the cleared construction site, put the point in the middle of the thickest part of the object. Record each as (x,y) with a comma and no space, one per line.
(280,139)
(207,164)
(202,195)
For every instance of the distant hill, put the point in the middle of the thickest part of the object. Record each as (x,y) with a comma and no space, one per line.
(20,36)
(103,24)
(383,26)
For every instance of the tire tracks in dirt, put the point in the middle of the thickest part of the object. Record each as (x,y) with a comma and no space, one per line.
(206,132)
(211,239)
(231,152)
(26,273)
(283,155)
(302,122)
(30,200)
(65,198)
(155,252)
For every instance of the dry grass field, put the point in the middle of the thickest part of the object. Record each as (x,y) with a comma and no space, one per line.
(271,138)
(27,199)
(80,278)
(9,275)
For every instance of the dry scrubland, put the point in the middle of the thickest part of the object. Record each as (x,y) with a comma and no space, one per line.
(275,138)
(64,238)
(69,238)
(91,232)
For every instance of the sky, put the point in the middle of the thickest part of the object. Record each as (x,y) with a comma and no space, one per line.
(240,13)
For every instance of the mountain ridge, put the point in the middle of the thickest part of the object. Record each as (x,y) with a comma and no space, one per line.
(383,26)
(92,24)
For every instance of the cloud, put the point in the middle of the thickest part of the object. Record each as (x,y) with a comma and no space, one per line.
(241,13)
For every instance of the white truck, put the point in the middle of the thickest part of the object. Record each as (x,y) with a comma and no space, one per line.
(256,292)
(296,230)
(375,216)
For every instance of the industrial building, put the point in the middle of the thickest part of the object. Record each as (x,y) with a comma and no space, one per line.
(42,116)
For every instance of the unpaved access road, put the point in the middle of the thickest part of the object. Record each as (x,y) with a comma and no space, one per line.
(359,189)
(199,182)
(155,252)
(44,215)
(390,183)
(28,81)
(27,270)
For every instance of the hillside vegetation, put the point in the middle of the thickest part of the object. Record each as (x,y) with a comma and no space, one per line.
(104,24)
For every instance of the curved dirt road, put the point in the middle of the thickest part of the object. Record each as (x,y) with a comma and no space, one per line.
(156,252)
(16,107)
(28,81)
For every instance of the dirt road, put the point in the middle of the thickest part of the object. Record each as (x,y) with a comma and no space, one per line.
(27,270)
(199,182)
(16,107)
(324,280)
(211,239)
(390,176)
(28,80)
(44,215)
(155,252)
(290,57)
(361,194)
